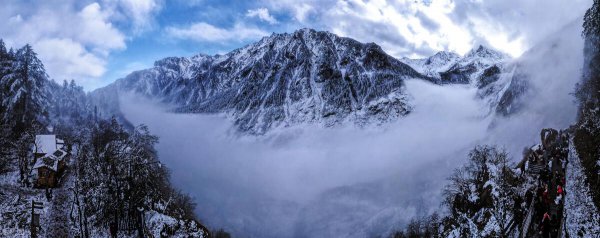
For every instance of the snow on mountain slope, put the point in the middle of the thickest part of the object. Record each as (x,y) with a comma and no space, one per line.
(434,65)
(304,77)
(508,85)
(448,67)
(488,70)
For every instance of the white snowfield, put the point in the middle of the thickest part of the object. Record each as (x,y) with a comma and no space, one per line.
(582,216)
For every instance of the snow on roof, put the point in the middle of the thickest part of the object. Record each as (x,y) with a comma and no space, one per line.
(45,143)
(48,161)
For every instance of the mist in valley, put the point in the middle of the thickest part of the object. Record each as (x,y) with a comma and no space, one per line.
(309,181)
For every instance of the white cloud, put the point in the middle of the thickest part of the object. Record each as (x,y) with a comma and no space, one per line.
(73,43)
(413,29)
(95,30)
(263,14)
(205,32)
(300,10)
(420,28)
(317,177)
(139,13)
(75,38)
(70,58)
(15,19)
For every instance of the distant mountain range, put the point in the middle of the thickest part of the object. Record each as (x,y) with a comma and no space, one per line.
(307,76)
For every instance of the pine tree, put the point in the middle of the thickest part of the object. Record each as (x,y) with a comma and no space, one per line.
(4,57)
(27,98)
(591,23)
(6,145)
(5,69)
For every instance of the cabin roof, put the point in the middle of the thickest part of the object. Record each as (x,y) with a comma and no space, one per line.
(48,161)
(47,144)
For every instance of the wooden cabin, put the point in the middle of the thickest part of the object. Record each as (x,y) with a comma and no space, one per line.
(45,172)
(49,162)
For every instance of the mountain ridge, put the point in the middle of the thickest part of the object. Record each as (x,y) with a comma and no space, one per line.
(307,76)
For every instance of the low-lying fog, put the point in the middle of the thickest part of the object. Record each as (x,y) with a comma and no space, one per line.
(307,181)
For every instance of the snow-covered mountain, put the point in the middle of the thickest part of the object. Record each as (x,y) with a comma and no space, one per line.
(434,65)
(448,67)
(304,77)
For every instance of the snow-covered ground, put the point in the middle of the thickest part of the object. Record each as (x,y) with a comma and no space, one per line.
(56,214)
(582,216)
(15,207)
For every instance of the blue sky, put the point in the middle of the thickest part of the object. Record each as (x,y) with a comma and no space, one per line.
(96,42)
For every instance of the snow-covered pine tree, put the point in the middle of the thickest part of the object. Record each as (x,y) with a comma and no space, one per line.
(5,149)
(591,24)
(4,56)
(27,97)
(481,195)
(5,68)
(22,79)
(70,105)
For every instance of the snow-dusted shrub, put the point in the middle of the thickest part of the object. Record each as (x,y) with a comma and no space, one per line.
(482,194)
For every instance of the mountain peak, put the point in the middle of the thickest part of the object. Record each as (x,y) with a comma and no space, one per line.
(486,52)
(306,30)
(302,32)
(445,56)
